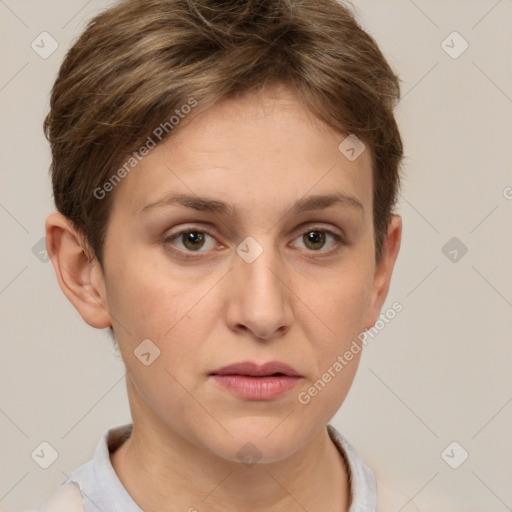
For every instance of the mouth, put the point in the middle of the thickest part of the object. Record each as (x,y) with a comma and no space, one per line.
(251,381)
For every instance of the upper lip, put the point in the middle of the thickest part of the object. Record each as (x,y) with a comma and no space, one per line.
(257,370)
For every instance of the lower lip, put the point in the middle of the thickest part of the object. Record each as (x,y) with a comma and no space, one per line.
(257,388)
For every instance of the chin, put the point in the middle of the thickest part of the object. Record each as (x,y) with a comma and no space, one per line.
(259,440)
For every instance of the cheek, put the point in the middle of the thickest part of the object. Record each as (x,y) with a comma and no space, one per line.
(340,306)
(149,300)
(340,302)
(145,304)
(176,311)
(336,348)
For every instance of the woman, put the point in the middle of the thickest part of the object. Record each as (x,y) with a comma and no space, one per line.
(225,175)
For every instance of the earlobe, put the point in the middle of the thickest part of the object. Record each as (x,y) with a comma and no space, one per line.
(384,270)
(77,271)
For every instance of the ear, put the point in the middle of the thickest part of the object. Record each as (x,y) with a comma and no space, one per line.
(79,274)
(384,269)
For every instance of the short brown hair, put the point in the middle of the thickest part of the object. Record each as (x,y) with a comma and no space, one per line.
(140,61)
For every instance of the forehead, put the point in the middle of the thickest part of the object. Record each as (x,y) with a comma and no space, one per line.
(259,151)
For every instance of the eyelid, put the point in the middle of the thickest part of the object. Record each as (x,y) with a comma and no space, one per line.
(319,226)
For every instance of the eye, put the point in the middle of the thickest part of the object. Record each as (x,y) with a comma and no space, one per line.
(314,239)
(191,240)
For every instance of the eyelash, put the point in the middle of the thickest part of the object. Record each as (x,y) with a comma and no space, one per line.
(187,254)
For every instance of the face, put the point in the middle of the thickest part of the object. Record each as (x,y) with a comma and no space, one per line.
(217,252)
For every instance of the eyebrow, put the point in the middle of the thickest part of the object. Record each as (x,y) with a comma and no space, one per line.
(304,204)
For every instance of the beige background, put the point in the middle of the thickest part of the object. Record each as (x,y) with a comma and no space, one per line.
(439,372)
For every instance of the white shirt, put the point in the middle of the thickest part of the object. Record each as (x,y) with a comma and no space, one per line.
(95,486)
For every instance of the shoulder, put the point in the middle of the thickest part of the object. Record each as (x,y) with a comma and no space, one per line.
(93,480)
(391,500)
(67,498)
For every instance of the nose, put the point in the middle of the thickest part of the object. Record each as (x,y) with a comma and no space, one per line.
(260,297)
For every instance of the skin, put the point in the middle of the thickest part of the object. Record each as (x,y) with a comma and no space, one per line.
(299,302)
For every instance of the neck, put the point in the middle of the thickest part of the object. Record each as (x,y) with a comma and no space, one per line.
(164,472)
